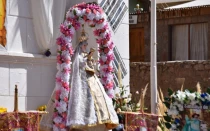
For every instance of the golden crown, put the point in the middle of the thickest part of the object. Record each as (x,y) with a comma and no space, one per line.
(83,36)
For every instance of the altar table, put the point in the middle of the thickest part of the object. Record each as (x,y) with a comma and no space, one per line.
(24,121)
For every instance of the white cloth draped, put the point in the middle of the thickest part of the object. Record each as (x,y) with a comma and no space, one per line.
(180,42)
(199,41)
(47,16)
(190,42)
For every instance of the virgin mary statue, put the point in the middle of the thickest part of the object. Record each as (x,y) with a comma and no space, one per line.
(89,107)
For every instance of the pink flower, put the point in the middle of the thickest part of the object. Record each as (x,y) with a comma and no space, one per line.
(99,41)
(63,48)
(88,11)
(96,32)
(64,115)
(55,114)
(94,11)
(59,41)
(100,10)
(58,57)
(65,30)
(65,85)
(62,126)
(110,85)
(108,36)
(111,45)
(66,70)
(65,99)
(107,62)
(58,79)
(111,95)
(110,57)
(101,62)
(100,21)
(106,50)
(104,78)
(110,69)
(71,51)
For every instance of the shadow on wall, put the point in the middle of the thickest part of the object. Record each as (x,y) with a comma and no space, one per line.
(35,82)
(174,75)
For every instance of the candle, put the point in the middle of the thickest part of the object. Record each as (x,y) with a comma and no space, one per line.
(16,99)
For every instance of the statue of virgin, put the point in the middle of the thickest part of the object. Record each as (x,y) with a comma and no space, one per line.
(89,106)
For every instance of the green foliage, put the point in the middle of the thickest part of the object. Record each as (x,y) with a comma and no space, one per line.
(170,92)
(167,118)
(208,90)
(167,104)
(168,125)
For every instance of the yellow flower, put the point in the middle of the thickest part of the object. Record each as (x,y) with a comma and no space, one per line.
(3,109)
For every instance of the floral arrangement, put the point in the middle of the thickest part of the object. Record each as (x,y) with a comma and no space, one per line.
(42,108)
(176,103)
(3,109)
(78,15)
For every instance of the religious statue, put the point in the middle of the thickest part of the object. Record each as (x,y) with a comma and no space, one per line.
(193,124)
(89,105)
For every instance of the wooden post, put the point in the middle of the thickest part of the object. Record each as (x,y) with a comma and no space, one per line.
(16,99)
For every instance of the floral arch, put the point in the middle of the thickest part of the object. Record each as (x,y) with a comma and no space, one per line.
(93,15)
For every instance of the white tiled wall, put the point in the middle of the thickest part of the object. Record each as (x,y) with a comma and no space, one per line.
(35,75)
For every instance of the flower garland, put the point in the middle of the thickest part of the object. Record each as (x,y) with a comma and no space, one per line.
(175,104)
(82,13)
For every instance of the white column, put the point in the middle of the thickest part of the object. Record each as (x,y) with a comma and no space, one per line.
(153,66)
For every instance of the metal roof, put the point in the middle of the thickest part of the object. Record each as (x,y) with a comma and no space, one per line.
(195,3)
(170,1)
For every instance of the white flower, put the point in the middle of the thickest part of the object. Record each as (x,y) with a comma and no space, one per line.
(64,93)
(65,66)
(78,11)
(91,16)
(57,119)
(83,11)
(62,108)
(181,95)
(58,66)
(173,126)
(191,96)
(104,58)
(81,21)
(180,106)
(70,14)
(55,128)
(100,26)
(98,16)
(207,97)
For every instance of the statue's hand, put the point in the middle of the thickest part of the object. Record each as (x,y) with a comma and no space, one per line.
(89,70)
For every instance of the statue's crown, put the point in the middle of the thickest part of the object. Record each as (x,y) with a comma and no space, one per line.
(83,36)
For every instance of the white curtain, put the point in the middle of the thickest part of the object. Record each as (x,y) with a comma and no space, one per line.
(47,16)
(199,41)
(180,42)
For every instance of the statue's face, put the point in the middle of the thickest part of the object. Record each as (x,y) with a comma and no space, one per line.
(84,46)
